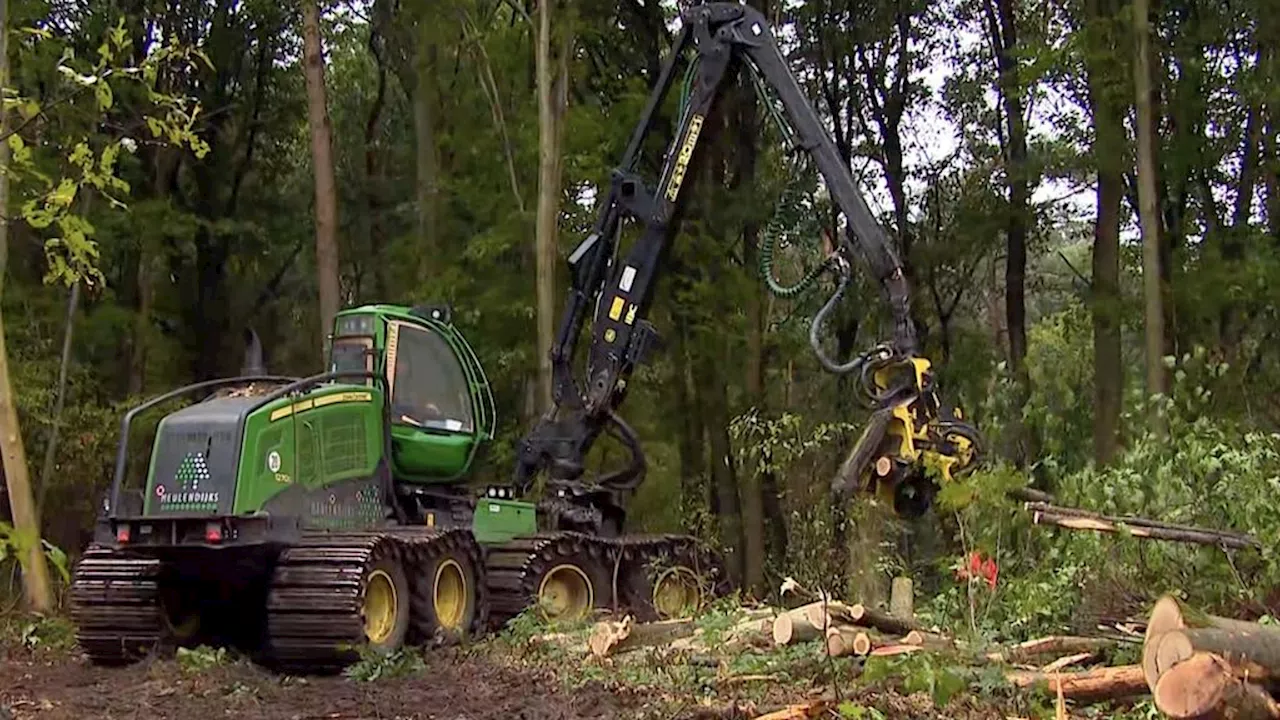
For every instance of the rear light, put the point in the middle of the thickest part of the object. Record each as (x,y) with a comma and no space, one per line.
(213,532)
(122,534)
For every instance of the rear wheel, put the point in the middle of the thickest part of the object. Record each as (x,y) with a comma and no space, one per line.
(446,597)
(571,588)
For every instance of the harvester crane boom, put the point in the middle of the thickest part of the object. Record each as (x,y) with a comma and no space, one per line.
(725,37)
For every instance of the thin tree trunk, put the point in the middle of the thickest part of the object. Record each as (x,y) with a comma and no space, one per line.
(35,573)
(428,159)
(51,447)
(1148,204)
(548,199)
(373,175)
(326,188)
(1108,151)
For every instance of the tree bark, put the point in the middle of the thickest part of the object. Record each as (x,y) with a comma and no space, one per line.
(1107,683)
(35,573)
(51,447)
(550,111)
(326,192)
(428,158)
(1108,154)
(1148,202)
(1003,29)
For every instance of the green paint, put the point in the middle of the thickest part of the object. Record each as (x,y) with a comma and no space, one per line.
(497,521)
(316,446)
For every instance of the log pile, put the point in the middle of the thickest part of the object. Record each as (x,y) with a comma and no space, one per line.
(1203,666)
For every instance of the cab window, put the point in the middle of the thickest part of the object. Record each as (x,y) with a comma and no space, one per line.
(429,388)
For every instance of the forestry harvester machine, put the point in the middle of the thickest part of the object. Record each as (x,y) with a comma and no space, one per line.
(311,519)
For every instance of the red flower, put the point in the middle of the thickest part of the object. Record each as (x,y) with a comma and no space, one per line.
(979,567)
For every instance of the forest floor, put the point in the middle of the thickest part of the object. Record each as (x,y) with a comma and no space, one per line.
(44,677)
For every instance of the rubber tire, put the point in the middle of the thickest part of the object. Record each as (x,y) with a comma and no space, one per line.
(426,623)
(600,577)
(404,600)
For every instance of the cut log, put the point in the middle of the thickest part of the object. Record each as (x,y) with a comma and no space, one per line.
(902,598)
(611,637)
(1255,652)
(1204,686)
(1154,531)
(1168,615)
(1067,661)
(1052,645)
(803,711)
(1086,686)
(885,650)
(842,641)
(882,621)
(793,626)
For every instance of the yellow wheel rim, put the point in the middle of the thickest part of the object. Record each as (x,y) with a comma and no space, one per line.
(380,607)
(450,595)
(565,593)
(676,593)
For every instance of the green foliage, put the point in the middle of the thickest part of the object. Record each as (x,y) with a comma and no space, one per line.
(17,544)
(372,666)
(55,634)
(201,659)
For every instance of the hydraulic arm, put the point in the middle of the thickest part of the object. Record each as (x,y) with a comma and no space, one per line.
(908,421)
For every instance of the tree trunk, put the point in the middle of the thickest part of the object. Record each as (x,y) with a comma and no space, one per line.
(1206,686)
(1148,205)
(1005,35)
(549,117)
(1108,154)
(428,157)
(326,188)
(35,573)
(51,447)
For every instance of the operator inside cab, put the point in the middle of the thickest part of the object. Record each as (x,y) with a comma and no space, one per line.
(429,389)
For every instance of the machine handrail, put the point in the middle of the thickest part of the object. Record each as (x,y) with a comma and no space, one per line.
(122,448)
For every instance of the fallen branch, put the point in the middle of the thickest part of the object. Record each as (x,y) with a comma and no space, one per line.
(1135,520)
(1052,645)
(619,636)
(1149,529)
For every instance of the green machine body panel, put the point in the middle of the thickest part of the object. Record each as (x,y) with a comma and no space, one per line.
(497,521)
(441,406)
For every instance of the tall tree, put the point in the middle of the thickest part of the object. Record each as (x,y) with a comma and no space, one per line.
(1101,56)
(35,574)
(326,191)
(1148,201)
(552,96)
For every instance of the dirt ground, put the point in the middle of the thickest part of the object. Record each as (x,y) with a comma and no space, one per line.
(454,686)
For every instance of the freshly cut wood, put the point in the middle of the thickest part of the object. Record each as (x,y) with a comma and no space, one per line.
(1066,661)
(1152,531)
(1167,615)
(902,598)
(619,636)
(1255,652)
(882,621)
(843,640)
(1134,520)
(1051,645)
(793,626)
(1205,686)
(1085,686)
(885,650)
(823,615)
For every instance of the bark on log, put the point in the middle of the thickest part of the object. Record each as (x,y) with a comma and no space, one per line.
(1133,520)
(886,650)
(1052,645)
(793,626)
(620,636)
(1255,652)
(1205,686)
(882,621)
(1108,683)
(1153,530)
(1169,615)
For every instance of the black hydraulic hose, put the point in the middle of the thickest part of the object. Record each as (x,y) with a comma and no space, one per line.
(815,326)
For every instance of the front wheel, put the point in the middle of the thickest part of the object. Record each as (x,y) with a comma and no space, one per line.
(385,608)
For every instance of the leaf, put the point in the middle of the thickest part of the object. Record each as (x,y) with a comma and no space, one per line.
(104,95)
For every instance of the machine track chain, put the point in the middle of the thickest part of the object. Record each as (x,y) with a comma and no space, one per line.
(620,569)
(315,603)
(115,605)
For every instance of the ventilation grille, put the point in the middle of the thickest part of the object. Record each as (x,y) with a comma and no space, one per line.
(344,443)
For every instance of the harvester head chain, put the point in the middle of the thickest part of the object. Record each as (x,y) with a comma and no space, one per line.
(513,569)
(115,605)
